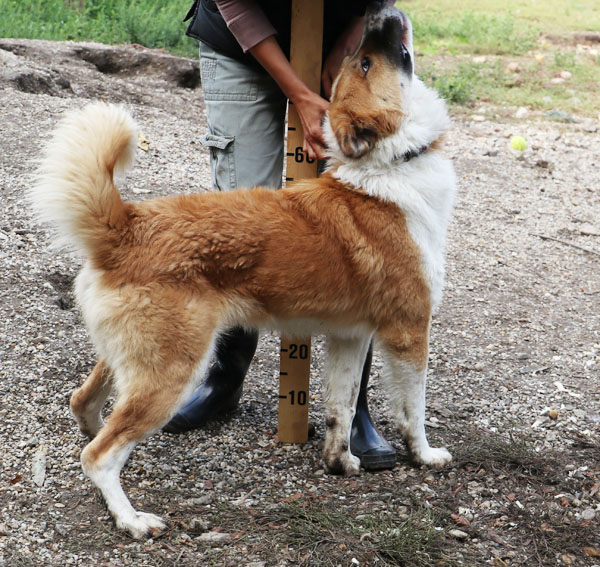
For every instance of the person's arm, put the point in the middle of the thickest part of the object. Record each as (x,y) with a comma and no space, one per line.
(246,21)
(345,46)
(310,106)
(253,31)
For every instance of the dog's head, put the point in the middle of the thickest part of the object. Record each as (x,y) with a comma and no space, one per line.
(372,85)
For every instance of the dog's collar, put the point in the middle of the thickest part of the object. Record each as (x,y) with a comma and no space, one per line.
(407,156)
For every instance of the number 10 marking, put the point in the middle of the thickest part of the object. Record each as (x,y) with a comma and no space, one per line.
(300,399)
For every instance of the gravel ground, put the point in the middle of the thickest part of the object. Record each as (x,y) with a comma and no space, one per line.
(513,391)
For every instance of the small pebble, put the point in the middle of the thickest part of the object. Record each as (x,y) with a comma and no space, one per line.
(458,534)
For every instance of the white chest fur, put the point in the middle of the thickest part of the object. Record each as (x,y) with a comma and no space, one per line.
(424,188)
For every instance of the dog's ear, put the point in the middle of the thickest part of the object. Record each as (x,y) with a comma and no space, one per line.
(356,134)
(354,140)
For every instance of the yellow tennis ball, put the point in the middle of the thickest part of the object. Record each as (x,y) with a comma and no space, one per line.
(518,143)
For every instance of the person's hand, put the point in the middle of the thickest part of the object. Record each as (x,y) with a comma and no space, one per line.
(311,110)
(345,46)
(310,106)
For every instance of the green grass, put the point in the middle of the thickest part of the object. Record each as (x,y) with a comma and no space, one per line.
(321,534)
(551,16)
(465,49)
(152,23)
(462,81)
(472,32)
(449,37)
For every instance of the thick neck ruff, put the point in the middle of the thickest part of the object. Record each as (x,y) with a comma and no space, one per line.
(425,121)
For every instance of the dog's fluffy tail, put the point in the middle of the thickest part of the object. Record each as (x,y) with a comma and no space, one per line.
(73,188)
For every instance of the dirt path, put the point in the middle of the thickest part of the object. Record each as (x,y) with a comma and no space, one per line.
(514,390)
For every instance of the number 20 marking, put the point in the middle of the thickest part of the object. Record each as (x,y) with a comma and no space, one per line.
(298,351)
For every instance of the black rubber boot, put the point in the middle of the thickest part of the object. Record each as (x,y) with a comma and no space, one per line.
(366,443)
(222,389)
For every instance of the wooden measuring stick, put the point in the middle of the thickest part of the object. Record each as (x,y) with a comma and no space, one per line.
(305,57)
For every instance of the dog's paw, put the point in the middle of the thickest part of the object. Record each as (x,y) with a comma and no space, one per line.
(143,525)
(345,463)
(90,430)
(433,457)
(352,466)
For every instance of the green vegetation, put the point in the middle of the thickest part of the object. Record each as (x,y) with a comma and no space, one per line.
(152,23)
(556,17)
(500,55)
(492,53)
(321,534)
(472,32)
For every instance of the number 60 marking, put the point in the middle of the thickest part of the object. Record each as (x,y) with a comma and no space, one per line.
(300,155)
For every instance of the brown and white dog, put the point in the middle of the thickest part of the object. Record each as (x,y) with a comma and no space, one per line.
(355,254)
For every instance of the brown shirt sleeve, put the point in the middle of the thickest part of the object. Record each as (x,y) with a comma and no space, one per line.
(246,21)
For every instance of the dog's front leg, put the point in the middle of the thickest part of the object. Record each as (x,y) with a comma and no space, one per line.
(346,359)
(405,377)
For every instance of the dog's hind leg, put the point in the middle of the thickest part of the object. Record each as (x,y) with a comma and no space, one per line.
(149,394)
(405,353)
(346,359)
(88,400)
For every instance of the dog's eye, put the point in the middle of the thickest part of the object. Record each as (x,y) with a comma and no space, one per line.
(365,64)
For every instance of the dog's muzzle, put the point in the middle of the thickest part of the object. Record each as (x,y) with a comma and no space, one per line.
(389,31)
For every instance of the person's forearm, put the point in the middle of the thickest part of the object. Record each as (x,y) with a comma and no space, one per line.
(271,57)
(310,106)
(345,46)
(353,34)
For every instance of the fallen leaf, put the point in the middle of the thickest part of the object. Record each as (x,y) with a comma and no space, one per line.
(460,520)
(38,466)
(292,498)
(591,551)
(142,143)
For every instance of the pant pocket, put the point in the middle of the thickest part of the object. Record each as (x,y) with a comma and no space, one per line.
(222,162)
(224,78)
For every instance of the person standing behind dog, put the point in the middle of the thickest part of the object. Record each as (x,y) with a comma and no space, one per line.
(246,78)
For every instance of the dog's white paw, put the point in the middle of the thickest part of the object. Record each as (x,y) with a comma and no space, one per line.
(345,463)
(351,465)
(433,457)
(143,525)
